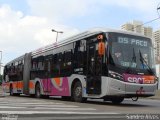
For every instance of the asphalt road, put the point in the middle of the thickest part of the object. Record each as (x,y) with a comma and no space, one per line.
(27,108)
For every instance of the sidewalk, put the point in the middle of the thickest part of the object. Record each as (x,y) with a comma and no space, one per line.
(1,92)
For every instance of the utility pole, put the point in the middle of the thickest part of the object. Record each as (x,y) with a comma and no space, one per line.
(0,62)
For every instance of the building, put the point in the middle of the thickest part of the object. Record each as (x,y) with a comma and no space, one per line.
(137,26)
(128,27)
(147,31)
(156,36)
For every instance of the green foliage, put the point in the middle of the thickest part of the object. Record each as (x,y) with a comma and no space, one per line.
(0,79)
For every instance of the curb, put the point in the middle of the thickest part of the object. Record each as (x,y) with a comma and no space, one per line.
(154,98)
(2,96)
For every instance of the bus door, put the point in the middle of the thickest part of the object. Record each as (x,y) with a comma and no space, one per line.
(94,65)
(47,84)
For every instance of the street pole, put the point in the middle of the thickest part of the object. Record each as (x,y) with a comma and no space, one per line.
(57,33)
(57,37)
(0,62)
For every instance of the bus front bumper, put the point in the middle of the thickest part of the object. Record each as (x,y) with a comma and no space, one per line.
(126,89)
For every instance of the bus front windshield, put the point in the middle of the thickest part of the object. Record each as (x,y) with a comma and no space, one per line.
(131,52)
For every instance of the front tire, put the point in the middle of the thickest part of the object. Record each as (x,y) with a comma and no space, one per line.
(77,92)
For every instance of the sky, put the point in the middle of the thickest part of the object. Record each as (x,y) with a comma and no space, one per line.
(25,25)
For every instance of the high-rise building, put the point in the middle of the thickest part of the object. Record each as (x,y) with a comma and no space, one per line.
(128,27)
(147,31)
(156,36)
(137,26)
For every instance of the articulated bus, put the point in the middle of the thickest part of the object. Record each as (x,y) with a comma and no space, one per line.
(98,64)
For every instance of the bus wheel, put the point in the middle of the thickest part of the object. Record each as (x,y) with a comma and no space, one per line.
(77,92)
(117,100)
(38,91)
(45,96)
(66,98)
(11,91)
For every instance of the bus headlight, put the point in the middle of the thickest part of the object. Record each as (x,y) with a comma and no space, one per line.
(116,75)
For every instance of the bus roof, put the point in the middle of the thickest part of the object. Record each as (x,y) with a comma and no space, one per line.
(15,60)
(97,31)
(76,37)
(80,36)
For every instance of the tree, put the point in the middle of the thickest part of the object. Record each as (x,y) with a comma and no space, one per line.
(1,79)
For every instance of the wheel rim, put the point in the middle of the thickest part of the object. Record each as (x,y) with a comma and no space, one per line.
(78,91)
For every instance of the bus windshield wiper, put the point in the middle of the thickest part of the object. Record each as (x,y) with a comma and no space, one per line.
(144,62)
(111,59)
(132,60)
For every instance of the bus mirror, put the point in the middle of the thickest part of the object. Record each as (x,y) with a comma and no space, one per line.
(101,48)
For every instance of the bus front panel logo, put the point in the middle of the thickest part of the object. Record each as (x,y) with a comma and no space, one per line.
(140,79)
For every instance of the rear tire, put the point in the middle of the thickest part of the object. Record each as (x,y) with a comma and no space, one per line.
(117,100)
(38,91)
(32,95)
(11,91)
(45,96)
(66,98)
(77,92)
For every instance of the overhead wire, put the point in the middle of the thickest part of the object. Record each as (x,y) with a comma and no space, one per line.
(158,7)
(150,21)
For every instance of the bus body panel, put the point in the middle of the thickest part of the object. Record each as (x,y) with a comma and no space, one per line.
(16,85)
(32,84)
(141,89)
(123,88)
(113,87)
(60,86)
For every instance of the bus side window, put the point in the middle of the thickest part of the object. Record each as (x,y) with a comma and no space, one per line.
(40,70)
(40,63)
(79,56)
(68,62)
(5,74)
(60,64)
(55,65)
(20,70)
(68,58)
(34,68)
(76,52)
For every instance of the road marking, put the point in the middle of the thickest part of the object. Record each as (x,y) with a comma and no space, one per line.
(10,107)
(56,112)
(84,117)
(65,108)
(41,103)
(42,106)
